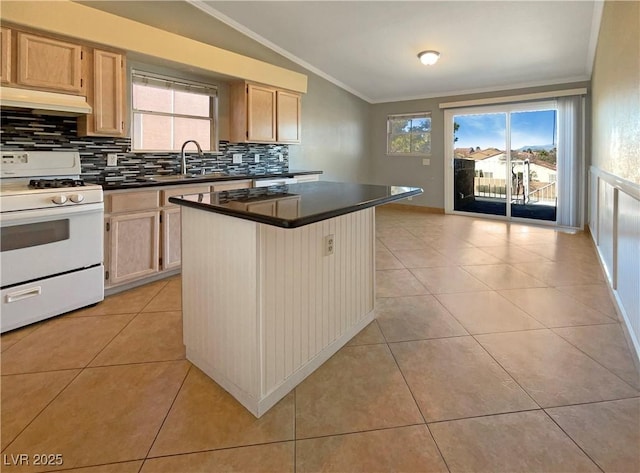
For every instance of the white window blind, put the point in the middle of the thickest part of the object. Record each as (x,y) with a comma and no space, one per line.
(168,111)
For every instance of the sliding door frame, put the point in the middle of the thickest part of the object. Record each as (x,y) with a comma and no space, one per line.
(507,109)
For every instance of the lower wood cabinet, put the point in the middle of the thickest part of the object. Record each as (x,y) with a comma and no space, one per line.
(143,232)
(284,207)
(171,249)
(133,246)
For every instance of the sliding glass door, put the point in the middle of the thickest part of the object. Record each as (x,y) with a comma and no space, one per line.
(504,161)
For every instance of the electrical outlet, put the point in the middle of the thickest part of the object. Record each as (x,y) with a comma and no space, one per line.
(329,245)
(237,158)
(280,157)
(112,159)
(256,158)
(410,198)
(426,162)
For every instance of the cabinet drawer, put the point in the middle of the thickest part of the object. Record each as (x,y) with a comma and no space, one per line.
(131,201)
(182,191)
(231,185)
(307,177)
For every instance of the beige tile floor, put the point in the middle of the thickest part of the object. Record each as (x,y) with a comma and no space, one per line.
(496,349)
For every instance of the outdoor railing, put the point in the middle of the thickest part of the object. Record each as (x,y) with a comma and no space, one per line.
(543,194)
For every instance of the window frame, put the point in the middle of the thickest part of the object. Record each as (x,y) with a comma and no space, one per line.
(139,75)
(426,114)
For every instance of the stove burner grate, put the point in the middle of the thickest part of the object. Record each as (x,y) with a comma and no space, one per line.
(54,183)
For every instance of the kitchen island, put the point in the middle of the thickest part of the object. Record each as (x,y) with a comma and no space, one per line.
(276,280)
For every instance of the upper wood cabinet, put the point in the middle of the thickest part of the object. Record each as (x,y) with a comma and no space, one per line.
(105,88)
(5,55)
(288,116)
(264,114)
(48,64)
(261,113)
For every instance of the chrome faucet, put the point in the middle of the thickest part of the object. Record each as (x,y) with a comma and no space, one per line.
(183,158)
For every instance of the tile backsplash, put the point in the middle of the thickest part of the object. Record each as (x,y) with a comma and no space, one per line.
(21,129)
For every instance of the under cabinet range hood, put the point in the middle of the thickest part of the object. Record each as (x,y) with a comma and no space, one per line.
(46,103)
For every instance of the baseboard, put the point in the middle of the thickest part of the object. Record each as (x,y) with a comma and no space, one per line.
(413,208)
(109,291)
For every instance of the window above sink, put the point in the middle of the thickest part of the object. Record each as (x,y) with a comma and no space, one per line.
(168,111)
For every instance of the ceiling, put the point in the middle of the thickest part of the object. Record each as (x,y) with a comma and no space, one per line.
(370,47)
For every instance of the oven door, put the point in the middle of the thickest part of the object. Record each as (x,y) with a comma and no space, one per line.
(47,242)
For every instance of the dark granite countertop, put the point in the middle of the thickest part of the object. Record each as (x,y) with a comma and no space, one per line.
(319,200)
(172,180)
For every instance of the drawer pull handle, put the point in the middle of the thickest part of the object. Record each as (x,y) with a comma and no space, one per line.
(24,294)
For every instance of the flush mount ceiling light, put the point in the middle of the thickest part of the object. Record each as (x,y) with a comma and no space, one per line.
(429,58)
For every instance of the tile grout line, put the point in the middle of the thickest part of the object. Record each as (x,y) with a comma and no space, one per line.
(416,403)
(155,438)
(574,441)
(64,388)
(111,340)
(592,358)
(81,370)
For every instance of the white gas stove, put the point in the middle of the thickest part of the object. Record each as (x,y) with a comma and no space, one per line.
(51,237)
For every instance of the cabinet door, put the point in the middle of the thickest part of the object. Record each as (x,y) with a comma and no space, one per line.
(261,113)
(288,208)
(263,208)
(134,246)
(230,185)
(288,117)
(171,249)
(46,63)
(108,93)
(5,55)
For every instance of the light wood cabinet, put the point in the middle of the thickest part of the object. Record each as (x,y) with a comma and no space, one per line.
(105,88)
(143,231)
(171,249)
(5,55)
(284,207)
(133,246)
(131,236)
(288,116)
(263,114)
(48,64)
(230,186)
(307,177)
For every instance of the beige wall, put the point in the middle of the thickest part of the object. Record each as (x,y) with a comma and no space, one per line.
(616,92)
(409,170)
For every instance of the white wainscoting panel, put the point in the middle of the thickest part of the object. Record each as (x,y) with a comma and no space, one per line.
(617,239)
(219,263)
(606,226)
(628,277)
(310,299)
(593,207)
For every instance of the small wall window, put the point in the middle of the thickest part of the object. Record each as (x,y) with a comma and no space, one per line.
(168,111)
(409,134)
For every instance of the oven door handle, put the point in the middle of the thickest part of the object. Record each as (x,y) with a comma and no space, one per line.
(50,213)
(24,294)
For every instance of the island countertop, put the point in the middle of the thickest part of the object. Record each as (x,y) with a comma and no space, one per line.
(306,203)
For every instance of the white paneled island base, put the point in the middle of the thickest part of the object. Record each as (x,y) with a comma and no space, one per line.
(264,306)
